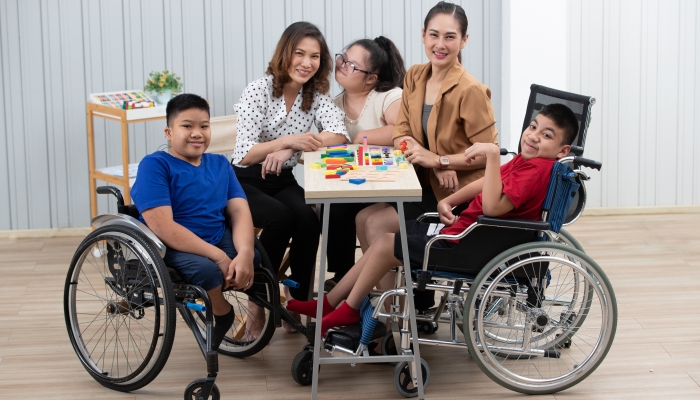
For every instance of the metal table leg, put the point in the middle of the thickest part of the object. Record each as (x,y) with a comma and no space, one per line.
(321,294)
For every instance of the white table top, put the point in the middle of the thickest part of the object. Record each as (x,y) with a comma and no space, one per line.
(316,186)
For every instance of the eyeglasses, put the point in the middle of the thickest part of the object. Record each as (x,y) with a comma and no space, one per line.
(349,67)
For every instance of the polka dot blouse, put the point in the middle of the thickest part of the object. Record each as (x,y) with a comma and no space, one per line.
(263,118)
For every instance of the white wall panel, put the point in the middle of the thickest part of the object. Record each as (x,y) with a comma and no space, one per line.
(53,54)
(640,59)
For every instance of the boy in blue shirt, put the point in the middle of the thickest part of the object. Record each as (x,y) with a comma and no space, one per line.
(184,196)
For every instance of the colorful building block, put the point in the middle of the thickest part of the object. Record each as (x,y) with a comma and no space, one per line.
(334,176)
(403,165)
(357,181)
(382,167)
(315,166)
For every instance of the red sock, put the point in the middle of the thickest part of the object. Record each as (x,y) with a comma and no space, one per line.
(308,308)
(343,315)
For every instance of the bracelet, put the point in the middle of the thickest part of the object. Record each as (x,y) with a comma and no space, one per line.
(222,260)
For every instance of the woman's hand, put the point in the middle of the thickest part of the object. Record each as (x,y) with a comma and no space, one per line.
(274,161)
(417,154)
(308,141)
(445,211)
(448,180)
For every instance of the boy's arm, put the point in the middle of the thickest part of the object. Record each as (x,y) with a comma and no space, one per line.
(460,197)
(494,202)
(160,221)
(240,271)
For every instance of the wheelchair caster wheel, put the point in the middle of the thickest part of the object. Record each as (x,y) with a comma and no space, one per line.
(404,382)
(194,391)
(388,345)
(563,345)
(428,328)
(302,368)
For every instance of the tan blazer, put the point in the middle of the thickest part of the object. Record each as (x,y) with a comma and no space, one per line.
(462,115)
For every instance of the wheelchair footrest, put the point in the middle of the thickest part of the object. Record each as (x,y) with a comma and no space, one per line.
(349,336)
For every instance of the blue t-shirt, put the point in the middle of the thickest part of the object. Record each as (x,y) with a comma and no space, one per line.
(197,195)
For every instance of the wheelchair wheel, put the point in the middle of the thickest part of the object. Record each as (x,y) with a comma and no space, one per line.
(303,368)
(119,308)
(404,382)
(568,239)
(240,341)
(518,332)
(194,391)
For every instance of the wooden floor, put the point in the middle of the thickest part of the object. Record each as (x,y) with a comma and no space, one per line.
(653,262)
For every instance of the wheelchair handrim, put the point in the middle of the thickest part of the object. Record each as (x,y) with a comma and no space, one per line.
(488,362)
(76,336)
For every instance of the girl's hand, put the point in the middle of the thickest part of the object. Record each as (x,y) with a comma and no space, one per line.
(274,161)
(445,211)
(308,141)
(448,180)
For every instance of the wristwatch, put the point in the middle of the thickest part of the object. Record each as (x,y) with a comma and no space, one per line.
(444,162)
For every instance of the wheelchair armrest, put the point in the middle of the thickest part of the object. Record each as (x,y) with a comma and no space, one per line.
(428,215)
(513,223)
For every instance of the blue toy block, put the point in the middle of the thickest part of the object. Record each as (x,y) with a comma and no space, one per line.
(340,173)
(382,167)
(358,181)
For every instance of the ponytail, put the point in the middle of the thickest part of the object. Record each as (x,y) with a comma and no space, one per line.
(394,70)
(384,60)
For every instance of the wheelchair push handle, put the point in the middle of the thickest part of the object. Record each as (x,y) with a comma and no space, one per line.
(111,190)
(587,163)
(576,150)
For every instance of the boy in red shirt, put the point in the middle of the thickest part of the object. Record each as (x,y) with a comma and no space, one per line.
(515,190)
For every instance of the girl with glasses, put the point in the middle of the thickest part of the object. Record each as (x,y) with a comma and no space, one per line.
(371,73)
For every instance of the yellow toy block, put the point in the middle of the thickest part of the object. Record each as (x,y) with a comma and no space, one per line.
(329,172)
(355,167)
(398,152)
(403,165)
(315,166)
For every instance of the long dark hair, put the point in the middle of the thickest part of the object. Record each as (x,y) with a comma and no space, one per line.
(282,59)
(454,10)
(384,60)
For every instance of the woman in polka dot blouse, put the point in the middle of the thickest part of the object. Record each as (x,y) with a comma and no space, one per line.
(275,115)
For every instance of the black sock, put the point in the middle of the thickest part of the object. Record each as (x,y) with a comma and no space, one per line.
(222,323)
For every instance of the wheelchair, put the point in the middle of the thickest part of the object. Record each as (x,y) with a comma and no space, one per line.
(537,314)
(120,300)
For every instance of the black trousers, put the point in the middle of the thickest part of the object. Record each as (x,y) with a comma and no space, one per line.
(342,236)
(278,207)
(342,232)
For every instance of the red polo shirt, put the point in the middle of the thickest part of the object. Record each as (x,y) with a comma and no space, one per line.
(524,182)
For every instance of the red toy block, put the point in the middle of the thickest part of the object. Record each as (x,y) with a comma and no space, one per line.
(332,176)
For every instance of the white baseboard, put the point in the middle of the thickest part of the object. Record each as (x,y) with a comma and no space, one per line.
(597,211)
(591,211)
(44,233)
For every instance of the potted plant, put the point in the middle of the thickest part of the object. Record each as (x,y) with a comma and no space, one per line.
(164,85)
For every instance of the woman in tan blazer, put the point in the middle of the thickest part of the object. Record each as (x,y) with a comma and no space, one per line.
(444,110)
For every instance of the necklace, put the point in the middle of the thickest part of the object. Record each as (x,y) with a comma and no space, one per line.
(345,102)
